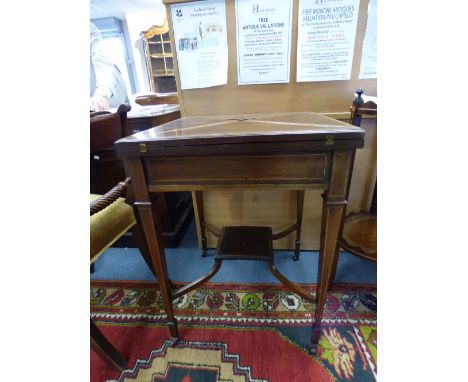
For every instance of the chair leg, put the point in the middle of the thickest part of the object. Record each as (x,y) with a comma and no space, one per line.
(105,350)
(201,220)
(300,209)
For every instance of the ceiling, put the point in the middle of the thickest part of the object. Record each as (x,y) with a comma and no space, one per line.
(118,8)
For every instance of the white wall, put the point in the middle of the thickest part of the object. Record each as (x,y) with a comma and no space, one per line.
(138,22)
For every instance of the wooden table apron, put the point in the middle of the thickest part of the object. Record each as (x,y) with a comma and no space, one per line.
(310,160)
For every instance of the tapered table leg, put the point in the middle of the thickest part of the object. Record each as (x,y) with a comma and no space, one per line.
(151,227)
(299,209)
(334,205)
(331,221)
(201,219)
(152,231)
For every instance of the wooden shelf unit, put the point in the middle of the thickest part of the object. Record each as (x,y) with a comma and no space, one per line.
(159,58)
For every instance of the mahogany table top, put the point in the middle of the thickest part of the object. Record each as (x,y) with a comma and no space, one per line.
(257,127)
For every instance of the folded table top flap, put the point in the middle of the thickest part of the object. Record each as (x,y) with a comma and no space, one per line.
(243,128)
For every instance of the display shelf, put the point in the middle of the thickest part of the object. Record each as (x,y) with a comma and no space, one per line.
(159,57)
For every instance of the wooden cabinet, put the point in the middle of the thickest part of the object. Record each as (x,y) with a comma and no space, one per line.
(159,59)
(107,170)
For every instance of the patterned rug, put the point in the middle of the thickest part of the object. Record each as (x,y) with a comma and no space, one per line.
(228,332)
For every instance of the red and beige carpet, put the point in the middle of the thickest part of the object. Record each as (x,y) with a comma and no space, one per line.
(247,332)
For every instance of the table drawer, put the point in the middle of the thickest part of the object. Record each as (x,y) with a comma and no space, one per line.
(260,169)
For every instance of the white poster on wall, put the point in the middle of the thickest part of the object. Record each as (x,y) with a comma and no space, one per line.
(201,43)
(369,46)
(325,39)
(263,41)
